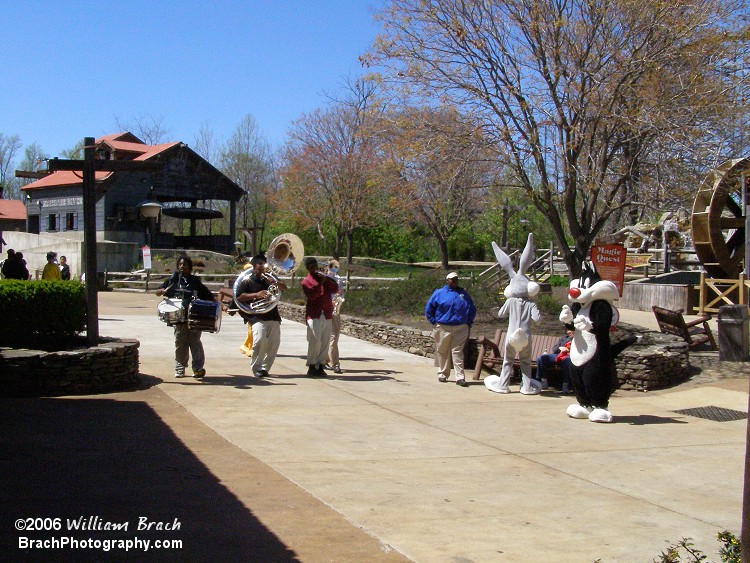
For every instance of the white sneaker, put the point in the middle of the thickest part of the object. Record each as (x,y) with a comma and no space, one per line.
(178,374)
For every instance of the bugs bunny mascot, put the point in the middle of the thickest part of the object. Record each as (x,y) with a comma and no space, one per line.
(522,313)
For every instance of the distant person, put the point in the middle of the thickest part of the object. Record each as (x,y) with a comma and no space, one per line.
(187,341)
(247,345)
(23,271)
(560,355)
(51,269)
(338,300)
(64,268)
(318,290)
(451,311)
(9,268)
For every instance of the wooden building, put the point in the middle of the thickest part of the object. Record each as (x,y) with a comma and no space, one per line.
(124,199)
(12,215)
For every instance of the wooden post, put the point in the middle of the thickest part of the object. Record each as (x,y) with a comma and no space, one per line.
(89,242)
(702,294)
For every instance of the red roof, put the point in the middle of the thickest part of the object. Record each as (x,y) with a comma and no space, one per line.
(64,178)
(118,142)
(13,209)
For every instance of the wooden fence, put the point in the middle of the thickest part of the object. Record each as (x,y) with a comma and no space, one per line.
(717,292)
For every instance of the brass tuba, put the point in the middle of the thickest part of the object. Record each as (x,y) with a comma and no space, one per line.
(283,257)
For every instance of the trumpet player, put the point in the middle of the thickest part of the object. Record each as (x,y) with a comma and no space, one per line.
(266,327)
(318,290)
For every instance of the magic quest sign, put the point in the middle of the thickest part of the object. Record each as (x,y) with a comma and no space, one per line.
(609,261)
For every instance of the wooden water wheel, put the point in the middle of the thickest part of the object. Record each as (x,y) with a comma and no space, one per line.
(718,227)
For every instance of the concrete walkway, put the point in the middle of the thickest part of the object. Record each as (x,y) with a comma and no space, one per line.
(385,463)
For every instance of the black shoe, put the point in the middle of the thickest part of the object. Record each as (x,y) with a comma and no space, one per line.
(462,382)
(264,373)
(321,372)
(312,371)
(258,373)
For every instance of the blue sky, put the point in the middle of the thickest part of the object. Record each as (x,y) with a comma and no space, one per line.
(71,69)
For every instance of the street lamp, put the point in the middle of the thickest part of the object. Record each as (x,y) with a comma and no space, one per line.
(149,210)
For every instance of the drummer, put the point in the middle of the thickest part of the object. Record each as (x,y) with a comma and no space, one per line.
(187,341)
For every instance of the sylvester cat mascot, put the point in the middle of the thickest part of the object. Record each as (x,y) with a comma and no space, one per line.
(592,356)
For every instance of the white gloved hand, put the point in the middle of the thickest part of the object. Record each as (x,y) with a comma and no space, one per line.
(566,315)
(582,323)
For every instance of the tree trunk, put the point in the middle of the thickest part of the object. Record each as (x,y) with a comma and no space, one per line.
(349,246)
(443,244)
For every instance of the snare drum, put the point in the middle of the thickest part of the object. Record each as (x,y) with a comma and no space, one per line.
(171,311)
(204,315)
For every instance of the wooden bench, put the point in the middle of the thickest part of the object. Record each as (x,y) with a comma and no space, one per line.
(492,351)
(695,332)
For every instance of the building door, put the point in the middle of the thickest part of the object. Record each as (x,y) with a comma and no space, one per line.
(34,224)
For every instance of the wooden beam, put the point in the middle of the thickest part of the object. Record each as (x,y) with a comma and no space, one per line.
(30,174)
(55,164)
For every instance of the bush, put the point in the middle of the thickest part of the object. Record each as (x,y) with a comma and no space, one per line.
(558,281)
(41,313)
(400,298)
(548,305)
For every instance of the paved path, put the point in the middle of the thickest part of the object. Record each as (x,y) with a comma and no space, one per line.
(385,463)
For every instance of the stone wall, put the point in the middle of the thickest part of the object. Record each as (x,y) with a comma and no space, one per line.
(110,366)
(657,360)
(403,338)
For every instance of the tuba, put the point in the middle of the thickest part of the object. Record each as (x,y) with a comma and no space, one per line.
(283,257)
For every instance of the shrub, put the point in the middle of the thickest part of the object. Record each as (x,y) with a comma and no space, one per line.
(40,313)
(558,281)
(548,305)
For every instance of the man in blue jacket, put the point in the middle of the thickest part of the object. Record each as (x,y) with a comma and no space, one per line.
(451,312)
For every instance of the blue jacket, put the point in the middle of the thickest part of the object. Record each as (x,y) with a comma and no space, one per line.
(448,306)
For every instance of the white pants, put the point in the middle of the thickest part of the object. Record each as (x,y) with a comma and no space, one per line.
(318,337)
(449,345)
(266,341)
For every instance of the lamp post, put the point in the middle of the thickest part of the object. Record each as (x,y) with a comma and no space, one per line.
(150,212)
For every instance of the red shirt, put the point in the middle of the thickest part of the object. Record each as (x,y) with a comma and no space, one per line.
(318,295)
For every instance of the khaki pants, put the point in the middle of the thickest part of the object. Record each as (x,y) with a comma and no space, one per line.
(449,345)
(266,341)
(318,337)
(333,346)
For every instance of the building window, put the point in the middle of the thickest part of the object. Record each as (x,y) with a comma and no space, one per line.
(53,223)
(71,221)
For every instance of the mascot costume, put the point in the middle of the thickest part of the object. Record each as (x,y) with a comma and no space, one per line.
(591,353)
(522,313)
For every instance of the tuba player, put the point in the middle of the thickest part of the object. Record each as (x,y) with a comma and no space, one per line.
(266,327)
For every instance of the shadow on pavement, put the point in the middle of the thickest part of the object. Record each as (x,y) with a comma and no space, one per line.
(643,419)
(105,461)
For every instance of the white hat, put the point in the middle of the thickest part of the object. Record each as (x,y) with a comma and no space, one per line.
(451,275)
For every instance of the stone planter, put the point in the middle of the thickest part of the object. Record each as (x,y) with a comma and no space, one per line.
(110,366)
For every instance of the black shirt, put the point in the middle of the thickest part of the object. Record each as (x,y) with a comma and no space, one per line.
(187,287)
(252,284)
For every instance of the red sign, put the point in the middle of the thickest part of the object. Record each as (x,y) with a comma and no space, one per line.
(609,261)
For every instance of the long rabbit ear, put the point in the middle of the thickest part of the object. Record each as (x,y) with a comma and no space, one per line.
(527,258)
(503,259)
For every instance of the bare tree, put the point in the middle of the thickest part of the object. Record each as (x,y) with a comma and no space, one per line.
(330,162)
(9,146)
(147,128)
(574,94)
(248,160)
(440,170)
